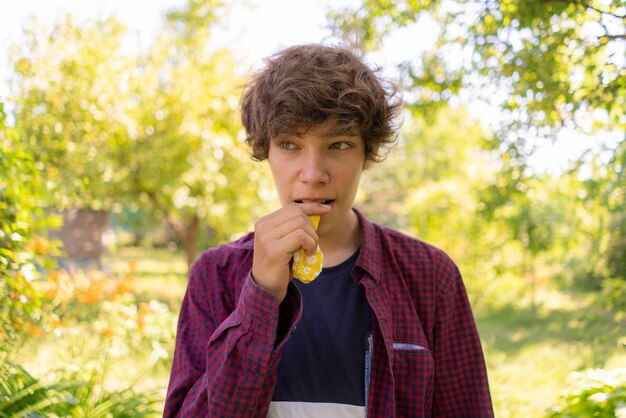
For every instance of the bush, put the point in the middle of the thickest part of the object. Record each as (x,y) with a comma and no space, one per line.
(96,337)
(613,294)
(22,395)
(105,309)
(597,393)
(23,249)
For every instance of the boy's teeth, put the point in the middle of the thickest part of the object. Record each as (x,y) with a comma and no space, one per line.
(326,202)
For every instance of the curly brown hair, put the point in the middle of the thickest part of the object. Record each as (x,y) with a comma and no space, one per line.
(304,86)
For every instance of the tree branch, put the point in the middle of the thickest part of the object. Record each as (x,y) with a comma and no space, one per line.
(613,37)
(588,6)
(604,12)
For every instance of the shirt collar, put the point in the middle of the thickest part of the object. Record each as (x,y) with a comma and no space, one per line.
(370,256)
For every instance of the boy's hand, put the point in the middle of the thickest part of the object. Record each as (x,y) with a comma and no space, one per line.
(276,237)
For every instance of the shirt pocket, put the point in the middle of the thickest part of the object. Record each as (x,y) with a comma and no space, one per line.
(413,369)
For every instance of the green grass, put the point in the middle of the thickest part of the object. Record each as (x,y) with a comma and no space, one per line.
(530,354)
(159,273)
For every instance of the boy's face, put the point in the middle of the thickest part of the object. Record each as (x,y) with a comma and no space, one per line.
(314,167)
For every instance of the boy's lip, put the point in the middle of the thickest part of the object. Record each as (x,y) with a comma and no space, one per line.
(323,200)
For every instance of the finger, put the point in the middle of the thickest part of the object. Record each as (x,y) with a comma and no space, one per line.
(295,209)
(281,251)
(296,240)
(277,231)
(282,215)
(310,251)
(293,216)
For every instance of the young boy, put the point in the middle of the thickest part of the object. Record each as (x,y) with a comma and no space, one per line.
(386,329)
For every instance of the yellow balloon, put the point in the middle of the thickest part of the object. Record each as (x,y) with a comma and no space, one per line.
(307,268)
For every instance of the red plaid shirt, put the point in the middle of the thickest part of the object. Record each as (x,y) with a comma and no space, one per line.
(426,360)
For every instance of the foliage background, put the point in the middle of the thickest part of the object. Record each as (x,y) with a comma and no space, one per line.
(152,135)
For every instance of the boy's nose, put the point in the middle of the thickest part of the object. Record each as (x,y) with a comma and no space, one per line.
(313,170)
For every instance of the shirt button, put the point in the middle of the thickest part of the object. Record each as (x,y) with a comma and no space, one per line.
(256,372)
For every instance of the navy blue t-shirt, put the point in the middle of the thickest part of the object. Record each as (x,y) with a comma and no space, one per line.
(324,360)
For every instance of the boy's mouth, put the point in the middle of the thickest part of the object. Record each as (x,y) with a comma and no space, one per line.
(325,201)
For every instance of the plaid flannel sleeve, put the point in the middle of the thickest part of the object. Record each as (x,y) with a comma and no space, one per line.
(228,369)
(461,385)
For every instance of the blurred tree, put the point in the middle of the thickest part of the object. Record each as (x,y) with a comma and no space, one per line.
(428,187)
(554,62)
(531,213)
(545,64)
(69,90)
(24,192)
(156,132)
(616,203)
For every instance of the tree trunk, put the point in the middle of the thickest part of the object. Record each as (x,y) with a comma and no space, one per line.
(187,234)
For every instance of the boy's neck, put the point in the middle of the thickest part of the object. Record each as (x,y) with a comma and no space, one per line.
(341,244)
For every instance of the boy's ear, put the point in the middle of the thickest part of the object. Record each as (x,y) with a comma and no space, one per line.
(367,164)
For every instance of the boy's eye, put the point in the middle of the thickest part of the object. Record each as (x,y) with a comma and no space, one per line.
(286,145)
(340,145)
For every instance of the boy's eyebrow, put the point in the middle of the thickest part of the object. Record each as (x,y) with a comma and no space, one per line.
(327,134)
(333,131)
(284,135)
(349,132)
